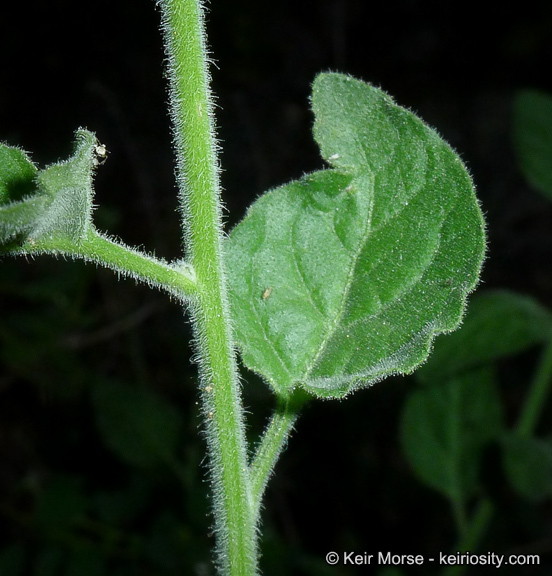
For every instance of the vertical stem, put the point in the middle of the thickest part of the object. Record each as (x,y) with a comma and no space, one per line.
(198,178)
(459,514)
(472,537)
(539,390)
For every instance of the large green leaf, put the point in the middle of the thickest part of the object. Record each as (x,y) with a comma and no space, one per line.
(498,324)
(346,275)
(445,427)
(532,132)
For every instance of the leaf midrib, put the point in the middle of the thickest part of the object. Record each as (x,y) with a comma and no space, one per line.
(368,232)
(341,308)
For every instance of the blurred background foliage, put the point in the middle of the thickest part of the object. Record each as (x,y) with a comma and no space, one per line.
(101,464)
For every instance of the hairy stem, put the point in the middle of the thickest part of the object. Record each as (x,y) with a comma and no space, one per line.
(177,280)
(272,443)
(198,178)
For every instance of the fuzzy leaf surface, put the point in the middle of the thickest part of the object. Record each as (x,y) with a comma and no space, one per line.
(69,185)
(532,132)
(346,275)
(53,203)
(17,174)
(17,180)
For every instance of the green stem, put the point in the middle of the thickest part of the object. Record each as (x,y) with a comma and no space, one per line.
(470,541)
(198,178)
(178,280)
(272,443)
(459,513)
(535,401)
(532,409)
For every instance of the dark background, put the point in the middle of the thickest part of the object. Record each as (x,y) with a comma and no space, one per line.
(343,482)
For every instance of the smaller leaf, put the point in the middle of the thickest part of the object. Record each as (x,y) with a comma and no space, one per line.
(19,218)
(528,465)
(53,203)
(445,427)
(498,324)
(17,181)
(69,185)
(17,174)
(532,134)
(139,426)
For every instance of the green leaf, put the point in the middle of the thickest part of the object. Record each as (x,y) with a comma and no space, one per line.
(19,218)
(528,465)
(346,275)
(53,203)
(498,324)
(444,429)
(17,174)
(17,181)
(532,134)
(139,426)
(69,185)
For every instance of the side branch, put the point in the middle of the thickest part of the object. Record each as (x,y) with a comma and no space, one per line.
(176,279)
